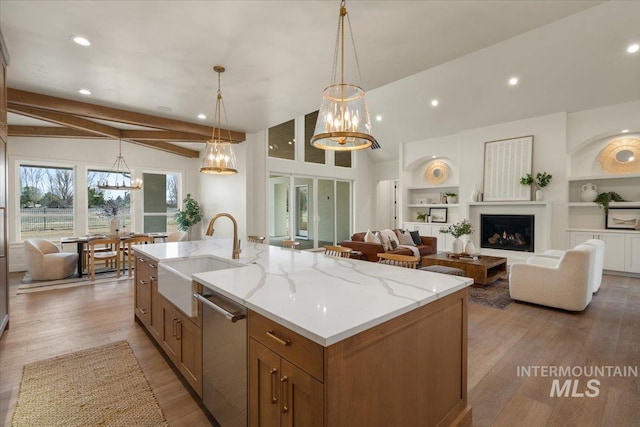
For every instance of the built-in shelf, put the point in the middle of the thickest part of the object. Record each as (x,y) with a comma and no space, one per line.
(611,204)
(510,203)
(599,177)
(433,205)
(432,187)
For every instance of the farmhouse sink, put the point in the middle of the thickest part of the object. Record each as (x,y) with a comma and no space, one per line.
(176,285)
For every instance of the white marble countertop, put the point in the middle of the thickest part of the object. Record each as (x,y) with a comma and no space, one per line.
(323,298)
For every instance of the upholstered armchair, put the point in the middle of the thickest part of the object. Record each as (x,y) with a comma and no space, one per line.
(46,262)
(597,267)
(565,283)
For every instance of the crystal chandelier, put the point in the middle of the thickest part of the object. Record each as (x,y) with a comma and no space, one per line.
(219,157)
(121,173)
(343,120)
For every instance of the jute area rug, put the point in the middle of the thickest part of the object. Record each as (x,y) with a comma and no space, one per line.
(495,295)
(101,386)
(28,286)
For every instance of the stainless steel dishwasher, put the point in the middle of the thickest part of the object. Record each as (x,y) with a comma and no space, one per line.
(224,359)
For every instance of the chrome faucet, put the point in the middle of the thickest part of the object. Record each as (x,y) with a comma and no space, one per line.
(236,242)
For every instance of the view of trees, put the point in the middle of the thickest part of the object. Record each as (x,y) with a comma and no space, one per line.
(46,187)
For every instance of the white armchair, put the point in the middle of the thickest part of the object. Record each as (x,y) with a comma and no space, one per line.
(46,262)
(565,284)
(553,255)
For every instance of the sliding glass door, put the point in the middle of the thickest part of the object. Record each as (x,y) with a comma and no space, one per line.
(320,213)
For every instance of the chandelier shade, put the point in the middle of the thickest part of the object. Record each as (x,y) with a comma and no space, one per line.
(120,176)
(343,119)
(219,157)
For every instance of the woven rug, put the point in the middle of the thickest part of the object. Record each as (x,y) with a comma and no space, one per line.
(101,386)
(495,295)
(28,286)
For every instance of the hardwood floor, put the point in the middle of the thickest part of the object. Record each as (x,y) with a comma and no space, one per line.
(47,324)
(50,323)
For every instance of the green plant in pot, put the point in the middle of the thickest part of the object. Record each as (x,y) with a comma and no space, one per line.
(451,197)
(541,180)
(422,216)
(190,216)
(604,199)
(457,230)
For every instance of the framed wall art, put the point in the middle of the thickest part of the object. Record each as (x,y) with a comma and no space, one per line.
(505,162)
(623,218)
(438,214)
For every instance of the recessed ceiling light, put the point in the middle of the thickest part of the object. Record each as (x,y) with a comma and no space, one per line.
(633,48)
(433,157)
(625,131)
(202,116)
(434,102)
(81,41)
(513,81)
(85,91)
(379,118)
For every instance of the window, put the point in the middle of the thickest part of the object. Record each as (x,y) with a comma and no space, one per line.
(104,205)
(282,141)
(160,202)
(343,158)
(311,153)
(46,201)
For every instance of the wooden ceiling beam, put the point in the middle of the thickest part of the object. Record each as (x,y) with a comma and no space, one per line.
(163,135)
(50,132)
(46,102)
(65,120)
(169,148)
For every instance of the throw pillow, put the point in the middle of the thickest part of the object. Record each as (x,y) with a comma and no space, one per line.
(393,244)
(405,238)
(390,234)
(369,237)
(383,241)
(415,235)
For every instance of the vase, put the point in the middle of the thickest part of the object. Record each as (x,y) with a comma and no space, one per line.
(589,193)
(457,246)
(452,200)
(538,195)
(113,226)
(475,194)
(469,248)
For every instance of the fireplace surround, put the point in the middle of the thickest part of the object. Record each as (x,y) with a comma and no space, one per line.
(507,232)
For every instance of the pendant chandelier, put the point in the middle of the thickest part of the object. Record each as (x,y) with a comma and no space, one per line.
(121,173)
(219,157)
(343,120)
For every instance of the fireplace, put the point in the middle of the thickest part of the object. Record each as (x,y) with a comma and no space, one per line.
(507,232)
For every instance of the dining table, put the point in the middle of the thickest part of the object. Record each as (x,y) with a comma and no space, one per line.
(80,241)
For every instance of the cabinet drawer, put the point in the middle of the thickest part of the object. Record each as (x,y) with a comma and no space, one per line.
(301,351)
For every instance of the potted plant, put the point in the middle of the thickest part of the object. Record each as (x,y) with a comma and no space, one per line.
(541,180)
(422,216)
(189,216)
(451,198)
(457,230)
(604,199)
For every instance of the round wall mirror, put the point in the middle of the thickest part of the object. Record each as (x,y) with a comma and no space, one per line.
(437,172)
(624,156)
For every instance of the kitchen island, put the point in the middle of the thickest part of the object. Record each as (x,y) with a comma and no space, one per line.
(334,341)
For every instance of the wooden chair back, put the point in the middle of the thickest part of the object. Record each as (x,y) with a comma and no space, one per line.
(291,244)
(337,251)
(407,261)
(127,253)
(109,253)
(255,239)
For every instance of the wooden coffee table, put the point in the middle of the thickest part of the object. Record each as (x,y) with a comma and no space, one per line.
(484,271)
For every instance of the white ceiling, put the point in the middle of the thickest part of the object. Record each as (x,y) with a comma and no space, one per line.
(150,55)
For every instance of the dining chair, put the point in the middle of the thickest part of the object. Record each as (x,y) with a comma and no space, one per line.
(337,251)
(255,239)
(96,255)
(177,236)
(291,244)
(127,252)
(407,261)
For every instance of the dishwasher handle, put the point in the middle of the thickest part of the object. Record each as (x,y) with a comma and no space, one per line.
(233,317)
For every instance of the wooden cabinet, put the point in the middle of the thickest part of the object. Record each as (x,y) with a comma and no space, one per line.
(181,339)
(179,335)
(614,247)
(408,371)
(281,393)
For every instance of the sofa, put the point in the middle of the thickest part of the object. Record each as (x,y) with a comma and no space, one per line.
(370,251)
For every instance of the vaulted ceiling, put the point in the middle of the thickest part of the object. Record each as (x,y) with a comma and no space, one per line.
(149,67)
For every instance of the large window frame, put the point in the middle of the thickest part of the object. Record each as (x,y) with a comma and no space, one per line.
(148,216)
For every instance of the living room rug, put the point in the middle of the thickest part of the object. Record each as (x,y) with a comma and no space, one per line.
(495,295)
(99,386)
(28,286)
